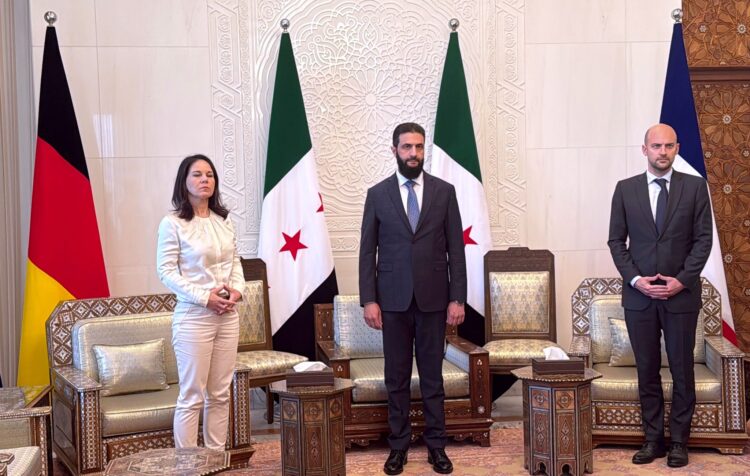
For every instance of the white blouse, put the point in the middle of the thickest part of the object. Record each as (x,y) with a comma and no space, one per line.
(193,257)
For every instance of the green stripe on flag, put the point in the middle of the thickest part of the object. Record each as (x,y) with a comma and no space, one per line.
(289,135)
(454,130)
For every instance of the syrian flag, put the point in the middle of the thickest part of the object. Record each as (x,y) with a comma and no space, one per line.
(65,255)
(294,239)
(455,160)
(678,110)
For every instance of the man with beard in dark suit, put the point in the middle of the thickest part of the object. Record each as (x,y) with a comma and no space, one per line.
(412,281)
(666,215)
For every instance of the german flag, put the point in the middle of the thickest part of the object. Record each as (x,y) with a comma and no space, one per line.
(65,254)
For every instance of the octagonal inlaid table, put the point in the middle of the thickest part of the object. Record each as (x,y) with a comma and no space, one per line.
(170,461)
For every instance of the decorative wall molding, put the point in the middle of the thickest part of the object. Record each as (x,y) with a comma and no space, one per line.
(364,67)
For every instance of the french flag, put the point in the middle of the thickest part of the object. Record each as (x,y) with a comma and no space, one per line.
(678,110)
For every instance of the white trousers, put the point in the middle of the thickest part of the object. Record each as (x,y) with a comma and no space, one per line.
(206,350)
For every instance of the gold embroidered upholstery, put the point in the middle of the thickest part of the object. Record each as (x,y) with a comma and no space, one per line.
(251,310)
(351,334)
(369,381)
(131,368)
(268,362)
(517,351)
(604,307)
(27,461)
(519,301)
(122,330)
(621,384)
(138,412)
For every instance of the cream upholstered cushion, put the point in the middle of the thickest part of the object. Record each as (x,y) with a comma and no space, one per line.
(268,362)
(604,307)
(517,351)
(622,350)
(131,368)
(120,330)
(252,313)
(369,381)
(138,412)
(621,384)
(350,332)
(27,461)
(519,301)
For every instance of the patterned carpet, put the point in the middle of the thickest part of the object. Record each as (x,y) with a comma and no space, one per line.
(504,457)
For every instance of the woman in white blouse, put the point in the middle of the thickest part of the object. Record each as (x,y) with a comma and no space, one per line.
(197,259)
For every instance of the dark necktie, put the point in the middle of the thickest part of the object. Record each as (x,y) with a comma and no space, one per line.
(412,206)
(661,205)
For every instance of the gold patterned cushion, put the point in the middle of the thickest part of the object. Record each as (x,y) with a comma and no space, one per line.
(517,351)
(268,362)
(139,412)
(621,384)
(27,461)
(350,332)
(519,301)
(119,330)
(622,351)
(369,381)
(252,312)
(604,307)
(131,368)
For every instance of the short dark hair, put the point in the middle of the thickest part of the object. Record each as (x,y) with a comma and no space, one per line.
(180,200)
(404,128)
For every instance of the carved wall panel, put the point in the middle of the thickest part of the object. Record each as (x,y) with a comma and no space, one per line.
(716,32)
(716,42)
(365,66)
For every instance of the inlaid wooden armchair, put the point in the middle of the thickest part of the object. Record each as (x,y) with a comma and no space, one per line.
(355,351)
(519,307)
(24,437)
(599,337)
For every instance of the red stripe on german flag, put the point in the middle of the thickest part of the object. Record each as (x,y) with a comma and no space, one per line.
(65,254)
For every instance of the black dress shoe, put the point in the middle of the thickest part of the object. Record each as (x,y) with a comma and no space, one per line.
(678,455)
(649,452)
(439,461)
(395,462)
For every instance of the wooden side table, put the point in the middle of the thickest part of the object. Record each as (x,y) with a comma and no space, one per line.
(557,422)
(312,428)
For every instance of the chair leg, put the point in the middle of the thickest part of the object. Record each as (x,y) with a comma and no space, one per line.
(269,405)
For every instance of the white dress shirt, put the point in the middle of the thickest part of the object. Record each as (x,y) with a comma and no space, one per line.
(193,257)
(418,189)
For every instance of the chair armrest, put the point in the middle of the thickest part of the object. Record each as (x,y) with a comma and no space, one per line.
(725,360)
(580,346)
(76,379)
(460,351)
(32,412)
(336,357)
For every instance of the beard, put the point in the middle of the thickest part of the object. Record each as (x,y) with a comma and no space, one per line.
(409,172)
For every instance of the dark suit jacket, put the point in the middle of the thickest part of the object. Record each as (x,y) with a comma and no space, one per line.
(396,264)
(682,249)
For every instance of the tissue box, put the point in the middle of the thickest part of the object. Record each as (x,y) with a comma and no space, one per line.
(312,378)
(574,366)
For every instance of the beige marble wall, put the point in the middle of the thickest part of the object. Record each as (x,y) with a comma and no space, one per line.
(561,93)
(595,75)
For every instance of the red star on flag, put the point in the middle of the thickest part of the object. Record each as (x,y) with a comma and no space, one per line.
(468,240)
(292,244)
(320,208)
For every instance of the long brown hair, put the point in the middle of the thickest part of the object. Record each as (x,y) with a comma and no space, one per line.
(180,200)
